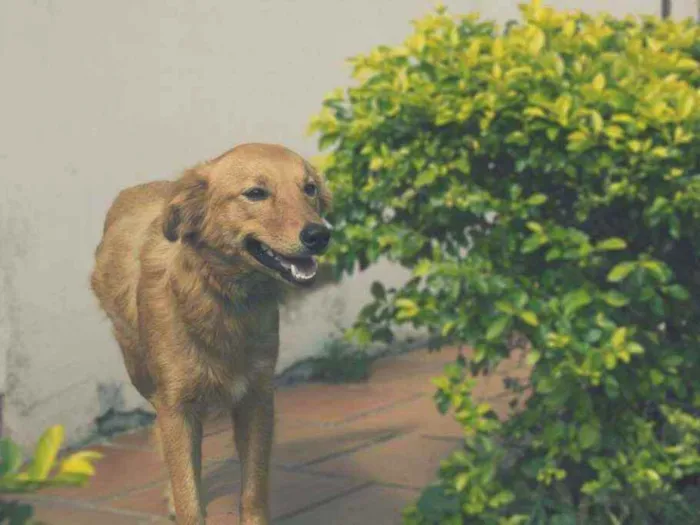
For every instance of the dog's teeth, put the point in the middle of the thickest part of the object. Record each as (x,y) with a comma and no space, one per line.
(300,275)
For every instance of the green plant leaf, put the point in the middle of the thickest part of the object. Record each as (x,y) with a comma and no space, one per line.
(589,436)
(497,327)
(10,457)
(377,290)
(621,271)
(615,299)
(407,309)
(574,301)
(530,318)
(614,243)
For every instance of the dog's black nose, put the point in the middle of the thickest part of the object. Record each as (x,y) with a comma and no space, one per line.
(315,237)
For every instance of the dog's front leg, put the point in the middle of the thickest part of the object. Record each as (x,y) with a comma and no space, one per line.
(181,436)
(253,420)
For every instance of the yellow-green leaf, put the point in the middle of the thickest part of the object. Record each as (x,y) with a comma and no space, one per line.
(536,42)
(530,318)
(619,337)
(687,64)
(613,243)
(447,328)
(621,271)
(599,82)
(497,327)
(596,122)
(533,357)
(615,299)
(534,227)
(45,453)
(80,463)
(406,309)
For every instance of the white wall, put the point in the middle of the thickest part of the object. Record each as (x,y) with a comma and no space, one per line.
(96,96)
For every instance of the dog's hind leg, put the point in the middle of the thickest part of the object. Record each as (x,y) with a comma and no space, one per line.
(168,492)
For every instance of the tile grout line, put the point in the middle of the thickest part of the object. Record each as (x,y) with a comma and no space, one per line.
(360,415)
(320,503)
(87,505)
(376,441)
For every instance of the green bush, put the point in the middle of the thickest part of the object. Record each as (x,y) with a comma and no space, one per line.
(542,179)
(16,477)
(341,363)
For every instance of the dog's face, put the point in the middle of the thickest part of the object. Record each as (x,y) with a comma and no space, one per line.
(257,204)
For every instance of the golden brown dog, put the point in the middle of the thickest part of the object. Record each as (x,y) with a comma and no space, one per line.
(190,274)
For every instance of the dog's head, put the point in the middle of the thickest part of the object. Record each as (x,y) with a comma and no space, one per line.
(259,205)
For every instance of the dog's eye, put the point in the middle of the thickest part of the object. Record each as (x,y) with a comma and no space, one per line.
(256,194)
(311,189)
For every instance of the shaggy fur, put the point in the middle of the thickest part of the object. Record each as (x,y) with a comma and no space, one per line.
(196,314)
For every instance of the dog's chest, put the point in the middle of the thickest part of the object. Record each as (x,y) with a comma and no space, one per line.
(240,352)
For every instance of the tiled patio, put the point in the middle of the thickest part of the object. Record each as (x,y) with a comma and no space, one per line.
(344,454)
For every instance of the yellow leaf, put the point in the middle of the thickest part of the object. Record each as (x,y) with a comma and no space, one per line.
(416,42)
(619,337)
(569,28)
(577,136)
(497,72)
(622,118)
(533,112)
(80,463)
(530,318)
(686,106)
(447,328)
(596,122)
(406,309)
(614,132)
(687,64)
(46,452)
(562,106)
(599,82)
(534,227)
(536,42)
(497,48)
(660,152)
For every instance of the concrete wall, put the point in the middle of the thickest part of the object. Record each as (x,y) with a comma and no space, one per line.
(96,96)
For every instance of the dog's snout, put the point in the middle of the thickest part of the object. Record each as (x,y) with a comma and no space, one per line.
(315,237)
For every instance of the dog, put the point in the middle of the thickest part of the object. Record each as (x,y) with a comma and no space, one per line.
(190,273)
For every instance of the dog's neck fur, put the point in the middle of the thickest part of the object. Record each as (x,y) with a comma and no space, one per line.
(227,279)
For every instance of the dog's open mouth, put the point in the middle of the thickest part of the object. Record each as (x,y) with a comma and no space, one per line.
(299,270)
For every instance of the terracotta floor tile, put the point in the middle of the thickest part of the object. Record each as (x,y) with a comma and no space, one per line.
(57,514)
(410,460)
(334,403)
(298,445)
(118,471)
(412,371)
(290,491)
(371,505)
(140,439)
(418,415)
(150,500)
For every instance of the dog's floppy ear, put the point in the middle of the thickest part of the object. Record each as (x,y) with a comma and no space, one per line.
(185,210)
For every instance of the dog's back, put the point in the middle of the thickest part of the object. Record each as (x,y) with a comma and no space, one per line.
(117,258)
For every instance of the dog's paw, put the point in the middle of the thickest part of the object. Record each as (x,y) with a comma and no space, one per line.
(168,497)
